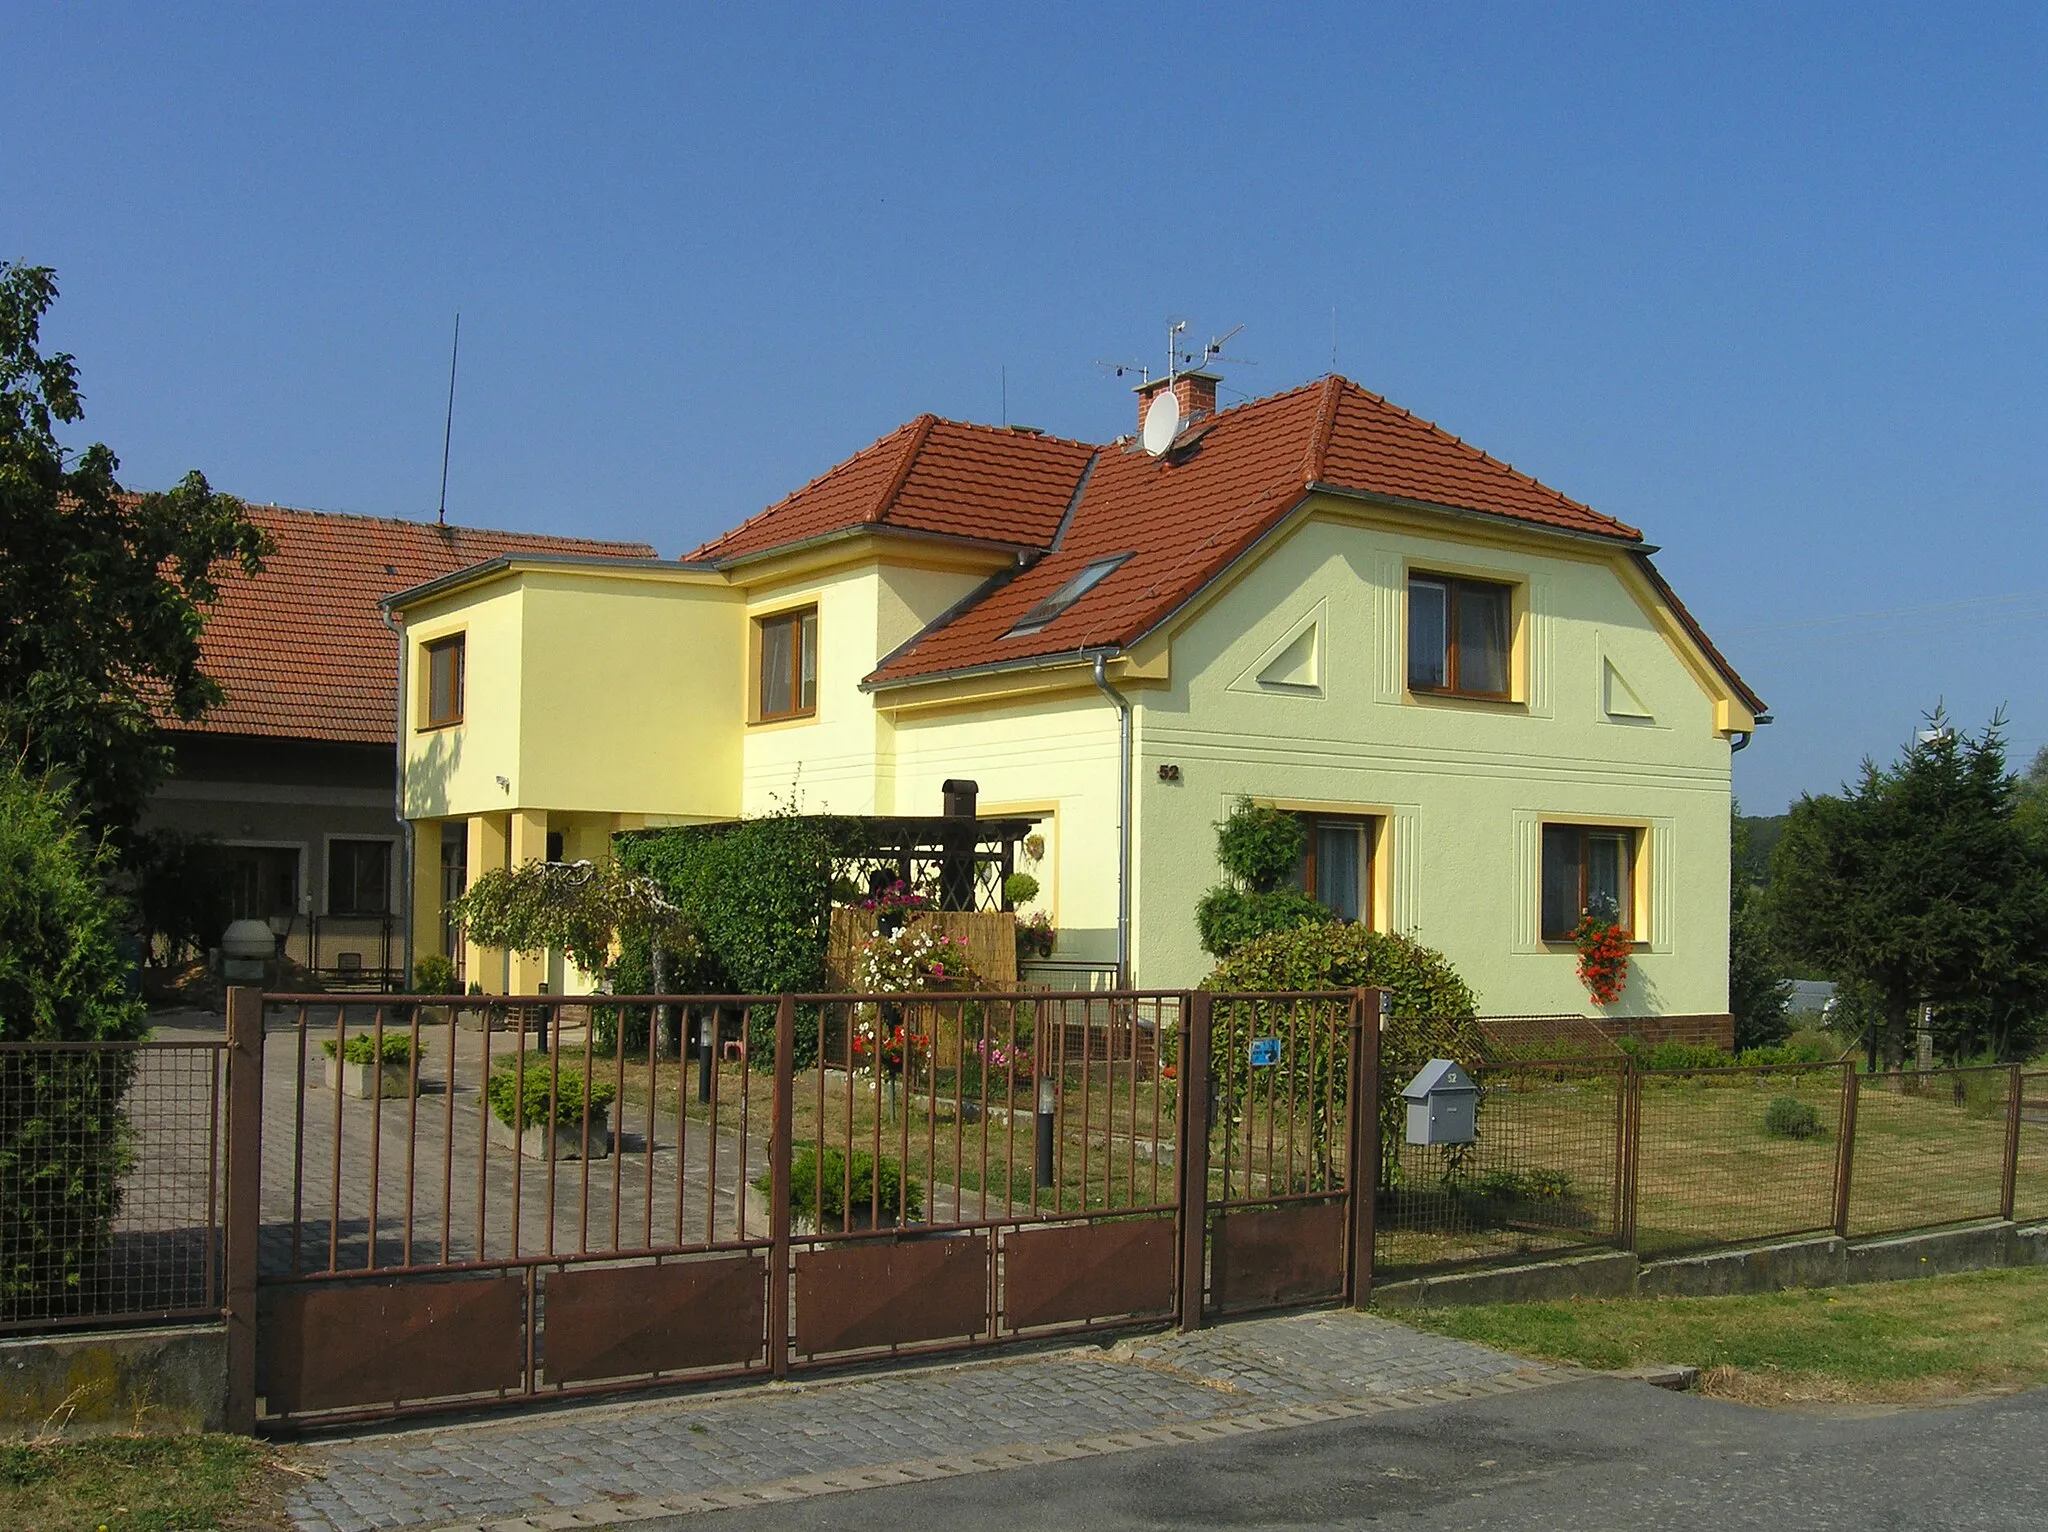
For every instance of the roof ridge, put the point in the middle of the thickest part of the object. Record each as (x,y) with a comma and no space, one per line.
(1489,459)
(1325,425)
(1016,433)
(809,484)
(921,432)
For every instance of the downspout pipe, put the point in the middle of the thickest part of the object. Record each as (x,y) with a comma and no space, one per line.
(398,805)
(1123,820)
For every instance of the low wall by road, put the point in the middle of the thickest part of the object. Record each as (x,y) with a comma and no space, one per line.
(1823,1262)
(159,1380)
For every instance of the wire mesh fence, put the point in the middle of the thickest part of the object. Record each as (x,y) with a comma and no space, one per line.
(1930,1148)
(2030,1184)
(1730,1156)
(110,1183)
(1544,1174)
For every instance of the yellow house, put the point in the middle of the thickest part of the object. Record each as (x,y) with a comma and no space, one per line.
(1482,698)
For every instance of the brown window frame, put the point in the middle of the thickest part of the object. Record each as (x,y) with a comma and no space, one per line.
(795,619)
(1452,586)
(431,652)
(1369,827)
(1632,849)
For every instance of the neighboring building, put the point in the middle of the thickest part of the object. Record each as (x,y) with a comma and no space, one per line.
(294,772)
(1481,697)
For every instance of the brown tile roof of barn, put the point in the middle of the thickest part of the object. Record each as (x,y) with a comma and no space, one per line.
(301,648)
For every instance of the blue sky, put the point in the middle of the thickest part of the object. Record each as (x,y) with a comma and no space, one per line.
(1767,282)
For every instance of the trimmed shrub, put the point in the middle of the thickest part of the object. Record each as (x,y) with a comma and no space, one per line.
(1789,1117)
(63,1143)
(1227,917)
(503,1090)
(818,1187)
(1433,1007)
(433,974)
(1019,888)
(1260,847)
(361,1048)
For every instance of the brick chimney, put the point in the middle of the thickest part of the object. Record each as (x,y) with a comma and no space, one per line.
(1195,390)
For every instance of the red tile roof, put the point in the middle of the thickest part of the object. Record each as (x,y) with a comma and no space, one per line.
(1186,516)
(989,483)
(301,648)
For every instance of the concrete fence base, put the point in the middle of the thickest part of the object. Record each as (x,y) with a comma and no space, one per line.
(1820,1262)
(163,1380)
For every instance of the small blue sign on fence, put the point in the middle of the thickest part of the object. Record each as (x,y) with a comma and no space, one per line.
(1265,1052)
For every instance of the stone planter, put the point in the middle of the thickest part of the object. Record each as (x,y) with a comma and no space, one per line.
(363,1081)
(532,1140)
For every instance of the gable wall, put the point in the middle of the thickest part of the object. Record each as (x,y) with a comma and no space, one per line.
(1462,786)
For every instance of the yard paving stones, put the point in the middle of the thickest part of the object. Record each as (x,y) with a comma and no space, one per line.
(613,1463)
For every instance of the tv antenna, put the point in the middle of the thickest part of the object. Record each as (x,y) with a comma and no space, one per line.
(448,426)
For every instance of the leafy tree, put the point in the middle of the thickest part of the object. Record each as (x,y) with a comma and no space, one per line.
(1259,848)
(1758,991)
(1920,881)
(102,593)
(582,908)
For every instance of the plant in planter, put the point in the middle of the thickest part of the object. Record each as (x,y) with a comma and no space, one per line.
(1604,948)
(1035,936)
(359,1067)
(824,1195)
(519,1111)
(433,974)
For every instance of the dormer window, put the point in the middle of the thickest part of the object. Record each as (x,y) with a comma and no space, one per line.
(1044,614)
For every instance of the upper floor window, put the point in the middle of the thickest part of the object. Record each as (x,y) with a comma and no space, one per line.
(359,877)
(445,661)
(1587,870)
(789,664)
(1336,865)
(1458,636)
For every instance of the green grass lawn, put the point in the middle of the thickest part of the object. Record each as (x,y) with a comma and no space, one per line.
(1890,1341)
(140,1484)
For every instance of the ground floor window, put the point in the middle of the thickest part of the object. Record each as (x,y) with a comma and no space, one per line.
(1336,864)
(263,881)
(359,877)
(1587,870)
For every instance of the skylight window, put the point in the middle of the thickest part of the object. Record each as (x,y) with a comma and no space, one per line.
(1044,614)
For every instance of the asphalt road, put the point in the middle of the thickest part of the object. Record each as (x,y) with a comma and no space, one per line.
(1578,1456)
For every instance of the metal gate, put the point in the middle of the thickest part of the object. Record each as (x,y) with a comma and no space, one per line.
(480,1202)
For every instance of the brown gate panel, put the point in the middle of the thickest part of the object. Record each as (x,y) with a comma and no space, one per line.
(1084,1271)
(1280,1255)
(612,1322)
(853,1297)
(373,1343)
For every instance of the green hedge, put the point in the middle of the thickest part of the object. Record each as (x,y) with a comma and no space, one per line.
(361,1048)
(503,1090)
(63,1141)
(1226,918)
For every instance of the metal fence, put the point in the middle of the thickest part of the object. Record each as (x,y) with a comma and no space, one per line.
(110,1183)
(1544,1176)
(2030,1150)
(1934,1147)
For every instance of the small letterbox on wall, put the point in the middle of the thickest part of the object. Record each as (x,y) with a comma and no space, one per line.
(1443,1105)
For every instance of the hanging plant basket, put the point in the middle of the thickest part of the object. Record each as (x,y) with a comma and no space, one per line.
(1604,949)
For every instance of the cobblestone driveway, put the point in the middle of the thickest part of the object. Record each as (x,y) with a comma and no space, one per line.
(605,1465)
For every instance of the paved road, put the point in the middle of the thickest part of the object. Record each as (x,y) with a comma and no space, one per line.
(1580,1457)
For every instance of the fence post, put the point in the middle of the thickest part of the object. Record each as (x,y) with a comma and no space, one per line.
(244,1213)
(1632,1089)
(2008,1196)
(781,1133)
(1845,1152)
(1194,1157)
(1362,1176)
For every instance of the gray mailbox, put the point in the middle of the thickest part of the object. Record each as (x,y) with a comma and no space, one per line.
(1443,1105)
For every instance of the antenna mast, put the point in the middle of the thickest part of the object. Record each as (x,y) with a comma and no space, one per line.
(448,428)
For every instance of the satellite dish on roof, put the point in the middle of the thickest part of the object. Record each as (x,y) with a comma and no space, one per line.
(1162,423)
